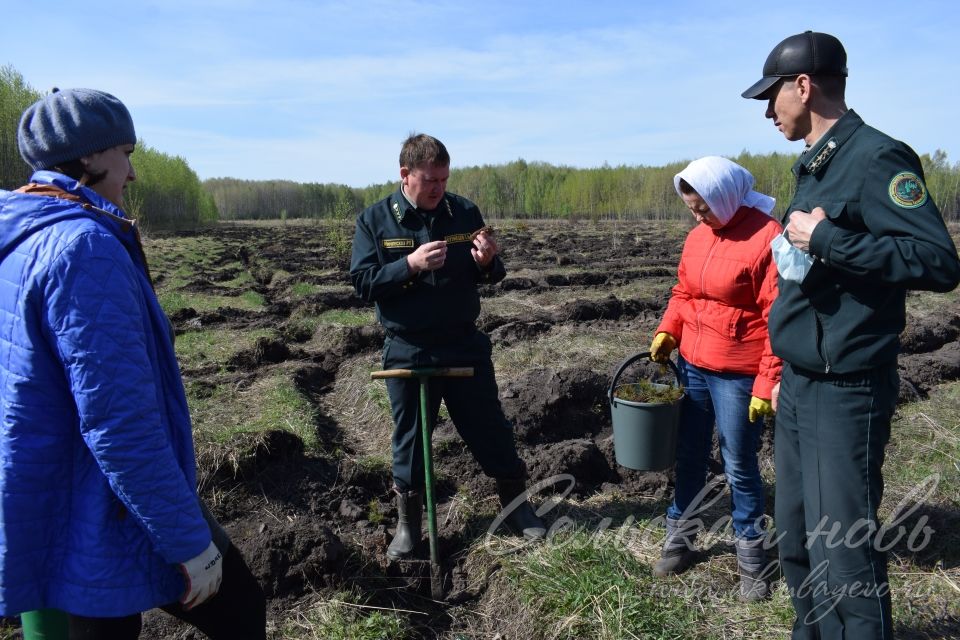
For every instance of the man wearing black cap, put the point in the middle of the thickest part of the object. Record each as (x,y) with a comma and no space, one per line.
(861,231)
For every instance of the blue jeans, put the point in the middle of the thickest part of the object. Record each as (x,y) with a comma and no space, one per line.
(724,399)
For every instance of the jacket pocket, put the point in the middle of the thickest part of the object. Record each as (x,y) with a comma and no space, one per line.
(737,327)
(724,320)
(844,214)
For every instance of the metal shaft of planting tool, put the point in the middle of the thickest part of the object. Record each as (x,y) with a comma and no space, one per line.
(426,432)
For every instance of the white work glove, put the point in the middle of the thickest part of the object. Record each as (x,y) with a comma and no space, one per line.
(203,575)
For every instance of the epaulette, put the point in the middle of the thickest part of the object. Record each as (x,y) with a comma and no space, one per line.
(820,158)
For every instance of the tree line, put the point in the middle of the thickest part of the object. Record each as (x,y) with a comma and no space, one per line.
(271,199)
(523,189)
(167,192)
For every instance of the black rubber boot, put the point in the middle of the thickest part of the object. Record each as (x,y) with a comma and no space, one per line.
(678,553)
(522,519)
(752,561)
(409,516)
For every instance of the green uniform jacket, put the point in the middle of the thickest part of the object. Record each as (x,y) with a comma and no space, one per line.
(883,235)
(447,299)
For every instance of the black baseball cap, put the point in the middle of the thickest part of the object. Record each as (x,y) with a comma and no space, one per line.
(808,52)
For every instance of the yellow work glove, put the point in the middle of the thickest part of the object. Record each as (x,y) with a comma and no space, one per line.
(661,347)
(759,408)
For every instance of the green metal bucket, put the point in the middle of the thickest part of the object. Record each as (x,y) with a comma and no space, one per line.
(644,433)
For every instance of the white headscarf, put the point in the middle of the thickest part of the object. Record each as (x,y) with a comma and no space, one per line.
(724,185)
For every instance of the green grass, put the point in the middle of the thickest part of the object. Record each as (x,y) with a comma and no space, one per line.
(217,346)
(10,629)
(182,260)
(922,476)
(340,617)
(172,301)
(268,403)
(593,583)
(584,585)
(374,512)
(175,250)
(347,317)
(302,324)
(303,289)
(243,279)
(925,440)
(374,463)
(592,579)
(922,596)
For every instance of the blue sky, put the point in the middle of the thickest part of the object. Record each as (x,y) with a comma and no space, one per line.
(326,91)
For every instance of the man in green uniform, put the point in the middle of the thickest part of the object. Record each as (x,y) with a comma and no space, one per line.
(861,231)
(418,255)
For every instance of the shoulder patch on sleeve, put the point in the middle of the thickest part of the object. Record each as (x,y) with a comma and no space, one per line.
(907,190)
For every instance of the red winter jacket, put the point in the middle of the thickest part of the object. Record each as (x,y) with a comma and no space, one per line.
(718,310)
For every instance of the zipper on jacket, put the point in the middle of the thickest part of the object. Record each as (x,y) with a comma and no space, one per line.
(703,270)
(822,343)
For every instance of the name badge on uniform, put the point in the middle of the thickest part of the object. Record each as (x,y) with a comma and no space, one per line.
(397,243)
(458,237)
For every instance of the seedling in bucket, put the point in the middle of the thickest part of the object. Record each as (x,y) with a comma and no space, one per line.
(648,392)
(645,418)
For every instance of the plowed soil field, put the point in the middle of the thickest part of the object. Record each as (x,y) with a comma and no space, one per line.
(310,507)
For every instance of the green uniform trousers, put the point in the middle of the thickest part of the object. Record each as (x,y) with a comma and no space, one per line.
(831,431)
(473,404)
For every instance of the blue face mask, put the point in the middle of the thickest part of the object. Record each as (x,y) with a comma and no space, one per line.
(792,263)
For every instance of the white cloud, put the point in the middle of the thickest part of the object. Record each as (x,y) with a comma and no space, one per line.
(326,91)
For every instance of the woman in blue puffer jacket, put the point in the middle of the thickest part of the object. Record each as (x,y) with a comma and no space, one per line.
(99,513)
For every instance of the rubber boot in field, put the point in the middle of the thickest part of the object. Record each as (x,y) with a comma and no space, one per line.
(409,516)
(752,562)
(522,519)
(678,552)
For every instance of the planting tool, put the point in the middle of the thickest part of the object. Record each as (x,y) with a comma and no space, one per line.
(426,429)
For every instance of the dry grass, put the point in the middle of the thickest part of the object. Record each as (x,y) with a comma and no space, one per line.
(598,348)
(922,475)
(599,585)
(343,616)
(589,584)
(201,347)
(361,406)
(523,304)
(233,419)
(593,580)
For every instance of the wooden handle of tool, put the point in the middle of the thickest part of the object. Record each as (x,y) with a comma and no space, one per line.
(446,372)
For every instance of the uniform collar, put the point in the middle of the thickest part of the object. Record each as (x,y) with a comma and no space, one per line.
(400,206)
(818,155)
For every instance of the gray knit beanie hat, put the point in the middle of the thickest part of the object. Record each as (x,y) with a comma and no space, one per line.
(70,124)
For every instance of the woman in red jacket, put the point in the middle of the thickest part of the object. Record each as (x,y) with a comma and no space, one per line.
(717,316)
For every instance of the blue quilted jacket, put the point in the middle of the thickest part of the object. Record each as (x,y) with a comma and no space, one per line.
(98,499)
